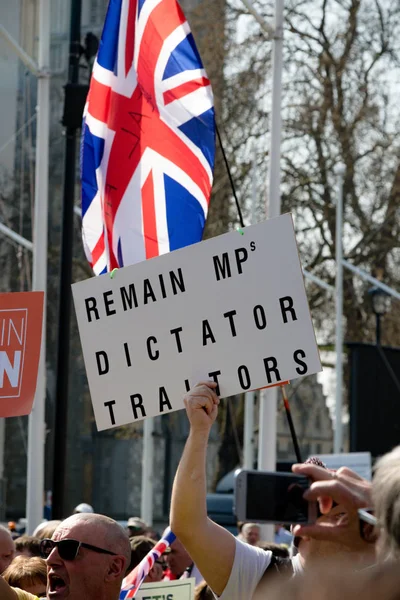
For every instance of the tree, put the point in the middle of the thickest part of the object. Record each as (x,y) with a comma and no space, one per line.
(340,109)
(339,105)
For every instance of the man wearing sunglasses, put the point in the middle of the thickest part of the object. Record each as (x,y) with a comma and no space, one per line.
(86,560)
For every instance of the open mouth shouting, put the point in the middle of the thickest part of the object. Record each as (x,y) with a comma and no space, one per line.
(56,586)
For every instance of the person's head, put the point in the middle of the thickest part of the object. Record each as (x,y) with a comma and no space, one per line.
(28,574)
(140,547)
(203,592)
(136,526)
(386,499)
(153,534)
(276,549)
(27,545)
(83,508)
(46,529)
(76,571)
(251,533)
(178,560)
(7,548)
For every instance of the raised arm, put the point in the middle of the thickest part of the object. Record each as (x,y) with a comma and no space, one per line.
(211,547)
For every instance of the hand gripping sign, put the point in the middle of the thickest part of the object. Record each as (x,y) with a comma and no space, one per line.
(232,308)
(21,321)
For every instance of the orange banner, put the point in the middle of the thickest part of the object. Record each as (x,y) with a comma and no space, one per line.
(21,319)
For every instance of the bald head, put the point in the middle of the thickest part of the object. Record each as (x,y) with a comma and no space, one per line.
(251,533)
(95,575)
(7,548)
(98,530)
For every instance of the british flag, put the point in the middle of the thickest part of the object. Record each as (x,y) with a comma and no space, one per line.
(134,580)
(148,141)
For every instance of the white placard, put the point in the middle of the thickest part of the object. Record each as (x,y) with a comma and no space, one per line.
(183,589)
(232,308)
(359,462)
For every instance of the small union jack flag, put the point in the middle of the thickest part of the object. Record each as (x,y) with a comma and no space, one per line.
(134,580)
(148,141)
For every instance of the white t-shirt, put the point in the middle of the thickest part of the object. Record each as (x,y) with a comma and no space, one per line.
(248,567)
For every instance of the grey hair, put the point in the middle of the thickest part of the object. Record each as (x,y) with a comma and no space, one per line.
(386,499)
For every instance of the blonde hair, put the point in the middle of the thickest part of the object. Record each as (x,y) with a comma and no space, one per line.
(25,571)
(386,500)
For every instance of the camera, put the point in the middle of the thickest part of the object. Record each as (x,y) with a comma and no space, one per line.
(269,497)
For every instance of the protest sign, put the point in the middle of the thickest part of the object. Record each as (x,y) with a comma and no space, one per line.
(21,321)
(232,308)
(182,589)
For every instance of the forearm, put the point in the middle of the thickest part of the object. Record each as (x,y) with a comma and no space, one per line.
(211,547)
(188,505)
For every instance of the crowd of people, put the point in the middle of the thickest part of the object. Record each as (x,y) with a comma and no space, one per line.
(342,554)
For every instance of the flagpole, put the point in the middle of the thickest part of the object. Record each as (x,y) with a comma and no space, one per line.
(146,510)
(340,172)
(268,397)
(2,481)
(248,434)
(36,427)
(64,312)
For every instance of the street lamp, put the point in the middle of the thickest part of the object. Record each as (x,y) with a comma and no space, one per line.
(381,302)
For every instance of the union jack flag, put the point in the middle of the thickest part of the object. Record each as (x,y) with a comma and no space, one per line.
(148,141)
(134,580)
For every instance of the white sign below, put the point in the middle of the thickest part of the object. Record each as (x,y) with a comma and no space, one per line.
(232,308)
(183,589)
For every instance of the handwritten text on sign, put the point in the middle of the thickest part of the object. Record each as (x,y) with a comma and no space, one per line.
(232,309)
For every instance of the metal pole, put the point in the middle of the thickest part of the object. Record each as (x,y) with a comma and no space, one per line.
(64,313)
(248,441)
(378,330)
(338,439)
(15,237)
(268,398)
(2,483)
(274,194)
(326,286)
(146,511)
(248,433)
(2,443)
(36,428)
(371,279)
(20,52)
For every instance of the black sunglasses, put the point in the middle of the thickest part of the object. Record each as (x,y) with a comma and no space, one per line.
(68,549)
